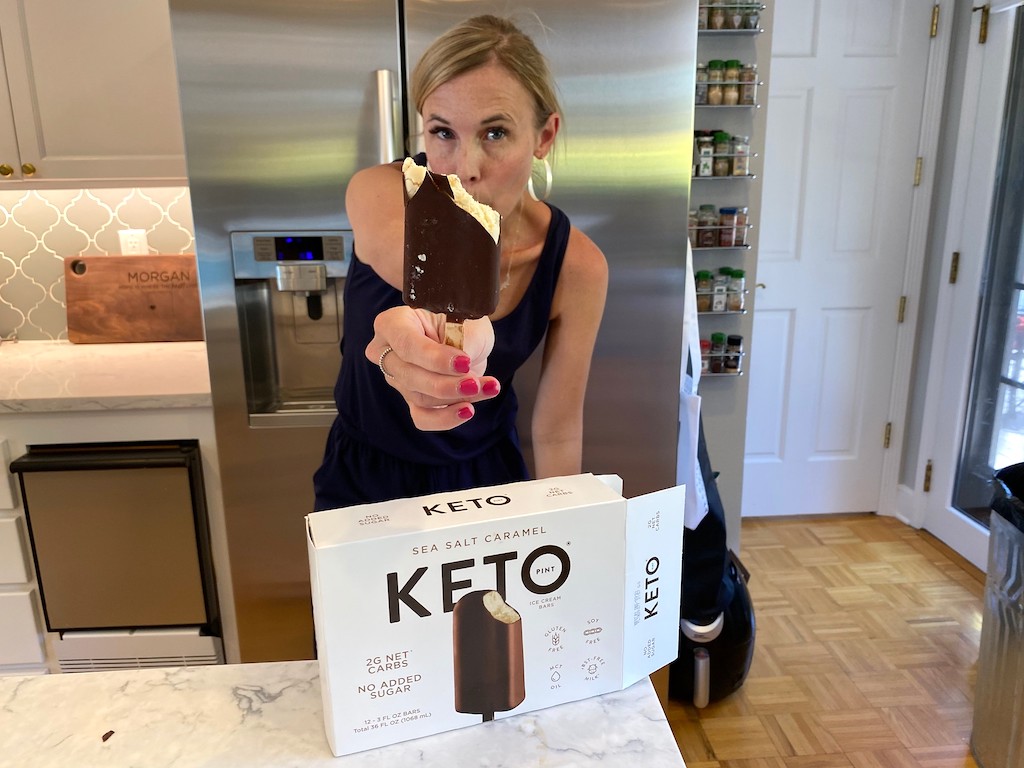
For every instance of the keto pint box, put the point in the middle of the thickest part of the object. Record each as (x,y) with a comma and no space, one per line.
(448,610)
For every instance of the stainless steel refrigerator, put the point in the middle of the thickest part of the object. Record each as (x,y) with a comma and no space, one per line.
(282,102)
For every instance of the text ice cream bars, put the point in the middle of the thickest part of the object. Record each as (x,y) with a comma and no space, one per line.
(487,645)
(452,253)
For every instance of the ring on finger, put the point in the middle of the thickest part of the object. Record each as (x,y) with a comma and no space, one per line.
(380,362)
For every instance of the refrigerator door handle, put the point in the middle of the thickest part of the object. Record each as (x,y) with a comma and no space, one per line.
(390,142)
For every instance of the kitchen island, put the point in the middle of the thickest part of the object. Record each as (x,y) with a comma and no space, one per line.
(59,393)
(270,715)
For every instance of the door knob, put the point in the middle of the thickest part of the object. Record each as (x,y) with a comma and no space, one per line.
(28,169)
(6,170)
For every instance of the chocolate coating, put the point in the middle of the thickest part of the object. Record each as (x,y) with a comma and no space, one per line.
(489,670)
(451,262)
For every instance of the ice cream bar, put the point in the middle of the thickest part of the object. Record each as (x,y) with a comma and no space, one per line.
(487,636)
(452,253)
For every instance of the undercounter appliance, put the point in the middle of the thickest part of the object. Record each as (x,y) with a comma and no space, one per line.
(121,546)
(281,104)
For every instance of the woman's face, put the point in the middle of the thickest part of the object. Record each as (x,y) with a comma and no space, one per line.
(482,127)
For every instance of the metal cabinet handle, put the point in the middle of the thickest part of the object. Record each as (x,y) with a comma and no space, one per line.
(390,142)
(6,170)
(28,169)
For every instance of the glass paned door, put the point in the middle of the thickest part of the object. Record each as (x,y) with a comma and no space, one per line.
(994,435)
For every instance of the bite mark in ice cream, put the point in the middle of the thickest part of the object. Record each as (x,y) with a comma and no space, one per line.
(452,250)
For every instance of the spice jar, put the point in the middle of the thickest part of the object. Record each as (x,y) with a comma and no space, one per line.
(715,363)
(723,147)
(720,290)
(716,17)
(701,94)
(734,18)
(741,226)
(716,75)
(727,227)
(740,146)
(733,352)
(737,286)
(732,71)
(691,228)
(705,155)
(705,282)
(707,226)
(748,84)
(705,352)
(752,17)
(730,94)
(702,17)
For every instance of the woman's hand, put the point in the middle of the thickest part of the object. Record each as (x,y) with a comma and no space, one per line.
(439,383)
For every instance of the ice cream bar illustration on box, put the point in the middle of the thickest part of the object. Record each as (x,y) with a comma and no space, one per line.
(487,645)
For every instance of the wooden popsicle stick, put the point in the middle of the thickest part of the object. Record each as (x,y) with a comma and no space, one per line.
(453,335)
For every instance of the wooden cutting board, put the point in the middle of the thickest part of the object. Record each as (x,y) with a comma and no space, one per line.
(132,298)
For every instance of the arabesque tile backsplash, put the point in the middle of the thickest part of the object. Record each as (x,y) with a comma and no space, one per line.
(40,228)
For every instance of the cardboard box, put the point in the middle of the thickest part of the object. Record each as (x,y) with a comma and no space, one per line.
(411,603)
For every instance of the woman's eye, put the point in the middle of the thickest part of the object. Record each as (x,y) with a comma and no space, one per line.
(441,132)
(493,134)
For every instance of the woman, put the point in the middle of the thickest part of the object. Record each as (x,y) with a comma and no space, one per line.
(416,416)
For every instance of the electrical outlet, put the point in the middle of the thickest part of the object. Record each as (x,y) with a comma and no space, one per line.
(133,242)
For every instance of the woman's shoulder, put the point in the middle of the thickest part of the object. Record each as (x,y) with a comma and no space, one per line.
(584,260)
(374,202)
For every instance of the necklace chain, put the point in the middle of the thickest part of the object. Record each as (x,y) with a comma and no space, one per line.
(512,248)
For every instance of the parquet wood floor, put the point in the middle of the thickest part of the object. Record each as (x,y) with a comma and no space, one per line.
(865,653)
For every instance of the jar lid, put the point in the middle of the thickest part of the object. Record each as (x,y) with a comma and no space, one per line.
(738,273)
(727,211)
(725,270)
(708,207)
(703,274)
(716,64)
(732,64)
(735,340)
(705,344)
(722,136)
(717,338)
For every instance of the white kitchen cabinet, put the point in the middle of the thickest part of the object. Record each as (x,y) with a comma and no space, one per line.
(21,641)
(92,92)
(12,554)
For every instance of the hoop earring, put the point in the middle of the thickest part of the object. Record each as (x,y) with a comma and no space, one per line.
(547,181)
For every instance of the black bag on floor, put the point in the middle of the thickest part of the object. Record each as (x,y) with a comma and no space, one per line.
(717,627)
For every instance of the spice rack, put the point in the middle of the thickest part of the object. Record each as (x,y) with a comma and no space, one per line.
(726,163)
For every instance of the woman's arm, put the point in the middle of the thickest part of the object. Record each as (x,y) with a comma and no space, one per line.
(575,319)
(440,384)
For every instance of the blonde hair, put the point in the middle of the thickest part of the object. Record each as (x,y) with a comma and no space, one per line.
(477,42)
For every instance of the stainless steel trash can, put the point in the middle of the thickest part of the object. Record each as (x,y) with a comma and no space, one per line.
(997,736)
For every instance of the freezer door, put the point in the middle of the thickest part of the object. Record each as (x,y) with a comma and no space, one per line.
(625,76)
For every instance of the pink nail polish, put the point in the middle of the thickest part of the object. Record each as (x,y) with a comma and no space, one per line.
(465,412)
(461,363)
(468,387)
(491,388)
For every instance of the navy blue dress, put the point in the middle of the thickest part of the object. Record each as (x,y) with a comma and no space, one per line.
(375,453)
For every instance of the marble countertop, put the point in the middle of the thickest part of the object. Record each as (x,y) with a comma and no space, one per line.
(270,715)
(40,376)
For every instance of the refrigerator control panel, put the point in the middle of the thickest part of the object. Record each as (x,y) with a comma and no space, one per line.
(257,255)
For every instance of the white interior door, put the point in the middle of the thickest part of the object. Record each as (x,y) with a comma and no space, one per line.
(967,232)
(845,99)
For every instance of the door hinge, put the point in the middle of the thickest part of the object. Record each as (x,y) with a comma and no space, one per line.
(888,434)
(954,267)
(903,309)
(928,476)
(918,168)
(934,31)
(983,26)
